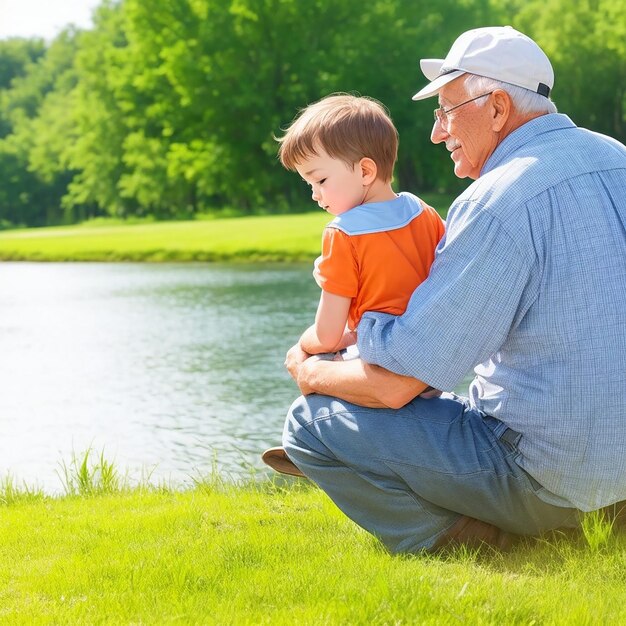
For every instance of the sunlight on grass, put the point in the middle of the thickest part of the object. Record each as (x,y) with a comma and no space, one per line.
(81,477)
(597,530)
(267,238)
(273,551)
(11,492)
(295,237)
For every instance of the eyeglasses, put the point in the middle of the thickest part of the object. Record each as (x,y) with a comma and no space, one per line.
(441,114)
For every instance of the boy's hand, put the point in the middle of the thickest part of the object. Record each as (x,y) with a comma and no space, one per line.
(348,339)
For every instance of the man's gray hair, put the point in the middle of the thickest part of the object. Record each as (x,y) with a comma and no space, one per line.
(524,100)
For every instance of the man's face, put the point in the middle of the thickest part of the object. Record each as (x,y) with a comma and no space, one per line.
(468,130)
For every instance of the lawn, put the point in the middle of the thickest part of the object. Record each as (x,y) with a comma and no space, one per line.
(263,551)
(268,238)
(279,552)
(294,237)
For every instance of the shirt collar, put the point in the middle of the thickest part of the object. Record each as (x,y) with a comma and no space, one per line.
(523,135)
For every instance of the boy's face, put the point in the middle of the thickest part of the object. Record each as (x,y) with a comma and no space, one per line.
(335,186)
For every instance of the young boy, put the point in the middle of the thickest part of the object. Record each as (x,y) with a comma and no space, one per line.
(380,246)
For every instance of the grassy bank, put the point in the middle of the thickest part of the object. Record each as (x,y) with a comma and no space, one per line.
(257,238)
(266,238)
(275,554)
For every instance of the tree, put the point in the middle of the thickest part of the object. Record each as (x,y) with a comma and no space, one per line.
(205,86)
(170,107)
(586,44)
(16,57)
(35,111)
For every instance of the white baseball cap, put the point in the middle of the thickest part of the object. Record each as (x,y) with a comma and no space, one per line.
(498,52)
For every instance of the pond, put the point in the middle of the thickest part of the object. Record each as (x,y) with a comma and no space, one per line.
(170,370)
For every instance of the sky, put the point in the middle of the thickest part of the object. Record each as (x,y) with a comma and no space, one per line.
(43,18)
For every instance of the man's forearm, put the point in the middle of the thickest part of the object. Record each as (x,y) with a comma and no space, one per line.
(359,383)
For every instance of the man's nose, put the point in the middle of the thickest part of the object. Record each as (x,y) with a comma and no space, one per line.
(315,194)
(438,134)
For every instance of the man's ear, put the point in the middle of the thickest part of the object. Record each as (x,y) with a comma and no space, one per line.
(369,170)
(502,106)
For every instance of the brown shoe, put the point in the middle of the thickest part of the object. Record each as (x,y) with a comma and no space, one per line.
(278,460)
(472,532)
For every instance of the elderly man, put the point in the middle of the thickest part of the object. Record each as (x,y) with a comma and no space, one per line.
(528,289)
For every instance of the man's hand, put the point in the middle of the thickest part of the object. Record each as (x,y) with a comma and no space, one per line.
(354,381)
(295,362)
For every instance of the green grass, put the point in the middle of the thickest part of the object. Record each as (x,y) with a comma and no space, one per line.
(256,238)
(273,553)
(270,238)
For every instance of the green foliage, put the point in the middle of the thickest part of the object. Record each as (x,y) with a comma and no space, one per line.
(16,55)
(587,47)
(37,110)
(169,108)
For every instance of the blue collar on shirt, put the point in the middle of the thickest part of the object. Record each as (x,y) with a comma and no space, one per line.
(525,133)
(376,217)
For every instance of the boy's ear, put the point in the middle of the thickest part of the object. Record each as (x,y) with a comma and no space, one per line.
(369,170)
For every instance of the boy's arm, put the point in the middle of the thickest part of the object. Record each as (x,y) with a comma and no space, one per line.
(330,323)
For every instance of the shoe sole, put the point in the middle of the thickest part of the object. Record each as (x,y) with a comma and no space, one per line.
(278,460)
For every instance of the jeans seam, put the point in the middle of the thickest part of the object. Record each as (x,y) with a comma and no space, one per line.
(321,418)
(357,412)
(428,469)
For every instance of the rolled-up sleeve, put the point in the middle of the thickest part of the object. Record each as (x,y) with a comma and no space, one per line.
(460,316)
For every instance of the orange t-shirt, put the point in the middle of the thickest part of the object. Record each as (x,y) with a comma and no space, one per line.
(379,268)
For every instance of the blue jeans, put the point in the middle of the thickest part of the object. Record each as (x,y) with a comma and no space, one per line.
(407,475)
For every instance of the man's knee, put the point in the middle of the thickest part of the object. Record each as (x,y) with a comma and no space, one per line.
(300,415)
(306,410)
(301,437)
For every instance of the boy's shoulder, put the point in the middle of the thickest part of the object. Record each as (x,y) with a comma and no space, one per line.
(377,217)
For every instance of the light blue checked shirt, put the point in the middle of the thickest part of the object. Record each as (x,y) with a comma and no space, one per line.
(528,288)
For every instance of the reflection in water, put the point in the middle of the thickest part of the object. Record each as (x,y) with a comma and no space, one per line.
(168,368)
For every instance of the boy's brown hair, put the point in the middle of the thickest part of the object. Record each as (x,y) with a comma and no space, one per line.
(346,127)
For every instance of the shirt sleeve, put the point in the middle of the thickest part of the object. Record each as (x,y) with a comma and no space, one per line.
(336,270)
(461,315)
